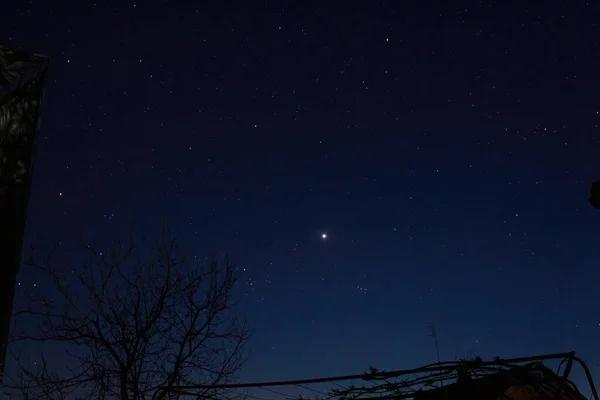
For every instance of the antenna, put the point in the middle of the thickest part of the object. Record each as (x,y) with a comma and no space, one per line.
(433,334)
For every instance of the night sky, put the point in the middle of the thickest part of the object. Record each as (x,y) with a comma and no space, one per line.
(446,152)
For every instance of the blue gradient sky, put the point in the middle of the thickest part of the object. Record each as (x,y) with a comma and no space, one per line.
(446,151)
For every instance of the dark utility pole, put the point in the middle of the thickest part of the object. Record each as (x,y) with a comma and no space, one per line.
(595,195)
(22,77)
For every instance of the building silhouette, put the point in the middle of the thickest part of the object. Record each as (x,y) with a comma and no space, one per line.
(22,77)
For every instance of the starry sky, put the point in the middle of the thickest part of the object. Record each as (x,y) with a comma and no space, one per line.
(446,151)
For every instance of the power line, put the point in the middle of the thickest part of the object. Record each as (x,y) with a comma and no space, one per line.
(368,376)
(314,390)
(340,386)
(287,396)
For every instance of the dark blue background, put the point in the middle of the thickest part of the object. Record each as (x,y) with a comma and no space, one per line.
(447,151)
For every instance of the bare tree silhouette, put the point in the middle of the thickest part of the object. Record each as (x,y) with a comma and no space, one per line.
(134,320)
